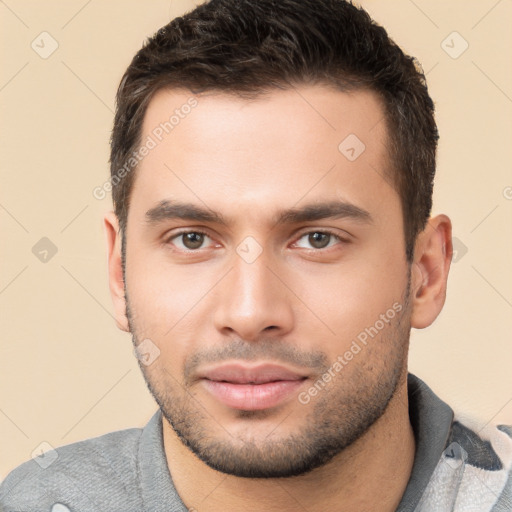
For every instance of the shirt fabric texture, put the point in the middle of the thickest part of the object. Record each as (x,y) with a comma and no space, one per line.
(458,467)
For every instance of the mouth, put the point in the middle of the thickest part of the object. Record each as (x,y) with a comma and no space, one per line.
(251,388)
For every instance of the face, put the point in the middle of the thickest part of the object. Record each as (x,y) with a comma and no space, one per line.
(266,275)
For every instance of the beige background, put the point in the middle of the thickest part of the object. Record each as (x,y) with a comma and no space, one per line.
(66,372)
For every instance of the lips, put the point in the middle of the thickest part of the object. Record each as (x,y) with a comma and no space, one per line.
(251,387)
(238,374)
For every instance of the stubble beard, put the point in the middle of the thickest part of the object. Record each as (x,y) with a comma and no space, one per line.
(339,415)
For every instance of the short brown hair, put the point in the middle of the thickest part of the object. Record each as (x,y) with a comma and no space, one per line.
(246,47)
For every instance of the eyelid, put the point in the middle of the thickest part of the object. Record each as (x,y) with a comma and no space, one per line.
(346,237)
(180,231)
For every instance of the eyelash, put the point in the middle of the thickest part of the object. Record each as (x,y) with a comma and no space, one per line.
(302,235)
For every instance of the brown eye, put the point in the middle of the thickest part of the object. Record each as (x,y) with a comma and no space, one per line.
(319,240)
(192,240)
(189,240)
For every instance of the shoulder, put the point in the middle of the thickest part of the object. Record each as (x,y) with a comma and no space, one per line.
(487,455)
(475,468)
(77,473)
(487,447)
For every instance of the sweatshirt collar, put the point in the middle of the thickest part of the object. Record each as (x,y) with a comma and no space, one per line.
(431,421)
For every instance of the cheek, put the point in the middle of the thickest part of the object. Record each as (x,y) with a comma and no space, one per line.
(169,305)
(163,293)
(350,297)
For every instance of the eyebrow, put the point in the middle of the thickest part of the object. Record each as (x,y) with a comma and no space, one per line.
(170,210)
(329,210)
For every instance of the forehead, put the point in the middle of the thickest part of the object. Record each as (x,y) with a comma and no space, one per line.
(308,112)
(304,143)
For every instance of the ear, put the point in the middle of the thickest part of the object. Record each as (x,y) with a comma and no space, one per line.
(432,257)
(115,270)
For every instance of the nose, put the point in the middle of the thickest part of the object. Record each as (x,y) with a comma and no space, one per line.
(253,301)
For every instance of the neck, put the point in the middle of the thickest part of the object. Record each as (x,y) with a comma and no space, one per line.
(369,476)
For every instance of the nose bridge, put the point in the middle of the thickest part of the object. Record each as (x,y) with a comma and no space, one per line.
(252,299)
(252,281)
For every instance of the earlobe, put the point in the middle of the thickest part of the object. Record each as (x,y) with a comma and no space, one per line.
(432,258)
(115,270)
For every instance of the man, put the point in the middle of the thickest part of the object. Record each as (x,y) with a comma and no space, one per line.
(272,168)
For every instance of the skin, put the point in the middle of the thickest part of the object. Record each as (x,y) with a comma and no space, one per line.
(297,304)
